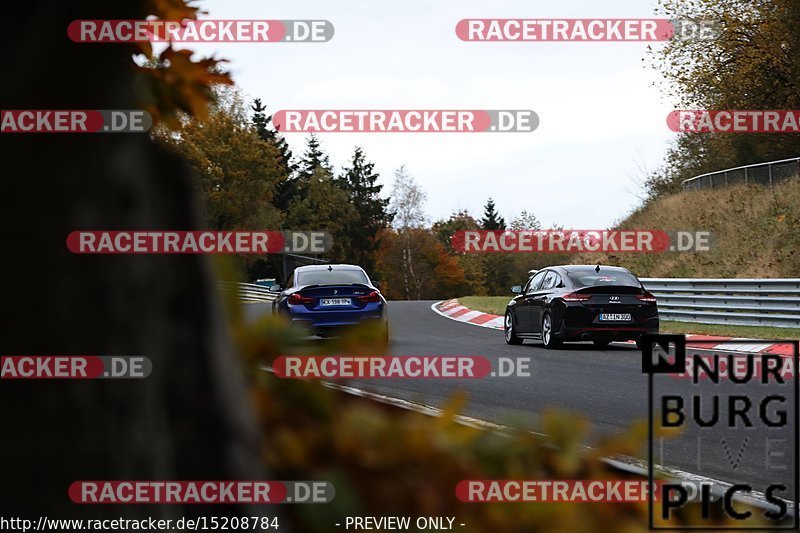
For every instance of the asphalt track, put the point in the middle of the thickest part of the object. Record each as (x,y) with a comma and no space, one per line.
(606,386)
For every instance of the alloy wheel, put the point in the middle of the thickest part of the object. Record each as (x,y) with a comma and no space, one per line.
(546,329)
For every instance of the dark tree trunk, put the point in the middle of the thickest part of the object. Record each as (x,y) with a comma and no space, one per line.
(190,418)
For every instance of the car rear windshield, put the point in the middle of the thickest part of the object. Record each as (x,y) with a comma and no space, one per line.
(590,278)
(331,277)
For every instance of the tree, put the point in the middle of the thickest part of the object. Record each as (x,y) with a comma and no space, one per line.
(458,221)
(359,181)
(427,270)
(268,133)
(526,221)
(313,159)
(305,170)
(325,207)
(752,63)
(193,418)
(236,171)
(407,201)
(406,206)
(491,219)
(472,264)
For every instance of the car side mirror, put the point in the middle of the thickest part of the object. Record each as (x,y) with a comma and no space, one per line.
(275,288)
(560,285)
(516,289)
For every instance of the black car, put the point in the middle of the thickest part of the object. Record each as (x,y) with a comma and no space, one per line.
(580,303)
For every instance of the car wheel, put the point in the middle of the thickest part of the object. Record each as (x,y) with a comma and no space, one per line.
(548,338)
(508,327)
(601,344)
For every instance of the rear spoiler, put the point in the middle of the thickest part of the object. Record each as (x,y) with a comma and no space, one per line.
(619,289)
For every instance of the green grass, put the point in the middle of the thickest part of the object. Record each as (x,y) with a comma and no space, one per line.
(496,305)
(753,332)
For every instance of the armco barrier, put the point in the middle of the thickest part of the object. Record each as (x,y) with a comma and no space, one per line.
(741,302)
(248,292)
(761,173)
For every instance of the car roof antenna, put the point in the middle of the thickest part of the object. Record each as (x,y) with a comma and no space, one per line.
(597,268)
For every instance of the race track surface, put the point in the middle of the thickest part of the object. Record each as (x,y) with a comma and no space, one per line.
(606,386)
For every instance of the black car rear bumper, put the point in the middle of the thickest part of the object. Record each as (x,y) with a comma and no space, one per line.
(608,332)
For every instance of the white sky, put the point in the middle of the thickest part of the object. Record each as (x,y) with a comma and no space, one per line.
(601,120)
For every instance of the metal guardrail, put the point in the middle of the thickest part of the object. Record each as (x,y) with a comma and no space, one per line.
(248,292)
(740,302)
(761,173)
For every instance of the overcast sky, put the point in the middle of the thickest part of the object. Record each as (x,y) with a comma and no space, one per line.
(601,119)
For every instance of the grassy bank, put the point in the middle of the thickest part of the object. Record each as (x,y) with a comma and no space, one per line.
(496,305)
(755,230)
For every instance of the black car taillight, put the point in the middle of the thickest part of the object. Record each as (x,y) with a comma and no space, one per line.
(646,297)
(298,299)
(576,297)
(371,297)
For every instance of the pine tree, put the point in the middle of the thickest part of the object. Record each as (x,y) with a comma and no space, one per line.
(359,181)
(314,164)
(266,132)
(313,158)
(491,219)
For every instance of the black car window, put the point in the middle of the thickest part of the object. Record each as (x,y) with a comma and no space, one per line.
(559,282)
(536,282)
(527,285)
(590,278)
(549,280)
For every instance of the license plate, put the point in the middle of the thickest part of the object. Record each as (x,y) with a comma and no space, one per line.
(615,317)
(335,301)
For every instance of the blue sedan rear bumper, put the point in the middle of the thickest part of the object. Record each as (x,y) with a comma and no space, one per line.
(334,318)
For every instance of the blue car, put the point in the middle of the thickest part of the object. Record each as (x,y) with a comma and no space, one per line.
(327,298)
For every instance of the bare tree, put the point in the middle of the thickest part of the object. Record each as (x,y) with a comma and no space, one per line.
(407,206)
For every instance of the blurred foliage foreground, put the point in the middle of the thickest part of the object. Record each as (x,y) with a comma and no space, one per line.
(387,461)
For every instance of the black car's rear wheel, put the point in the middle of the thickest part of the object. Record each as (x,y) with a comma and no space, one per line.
(508,327)
(548,337)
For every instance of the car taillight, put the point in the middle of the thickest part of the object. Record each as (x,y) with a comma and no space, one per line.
(646,297)
(576,297)
(371,297)
(298,299)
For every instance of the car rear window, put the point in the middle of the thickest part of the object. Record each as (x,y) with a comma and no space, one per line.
(590,278)
(331,277)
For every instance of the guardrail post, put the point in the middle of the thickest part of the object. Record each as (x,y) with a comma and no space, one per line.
(769,167)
